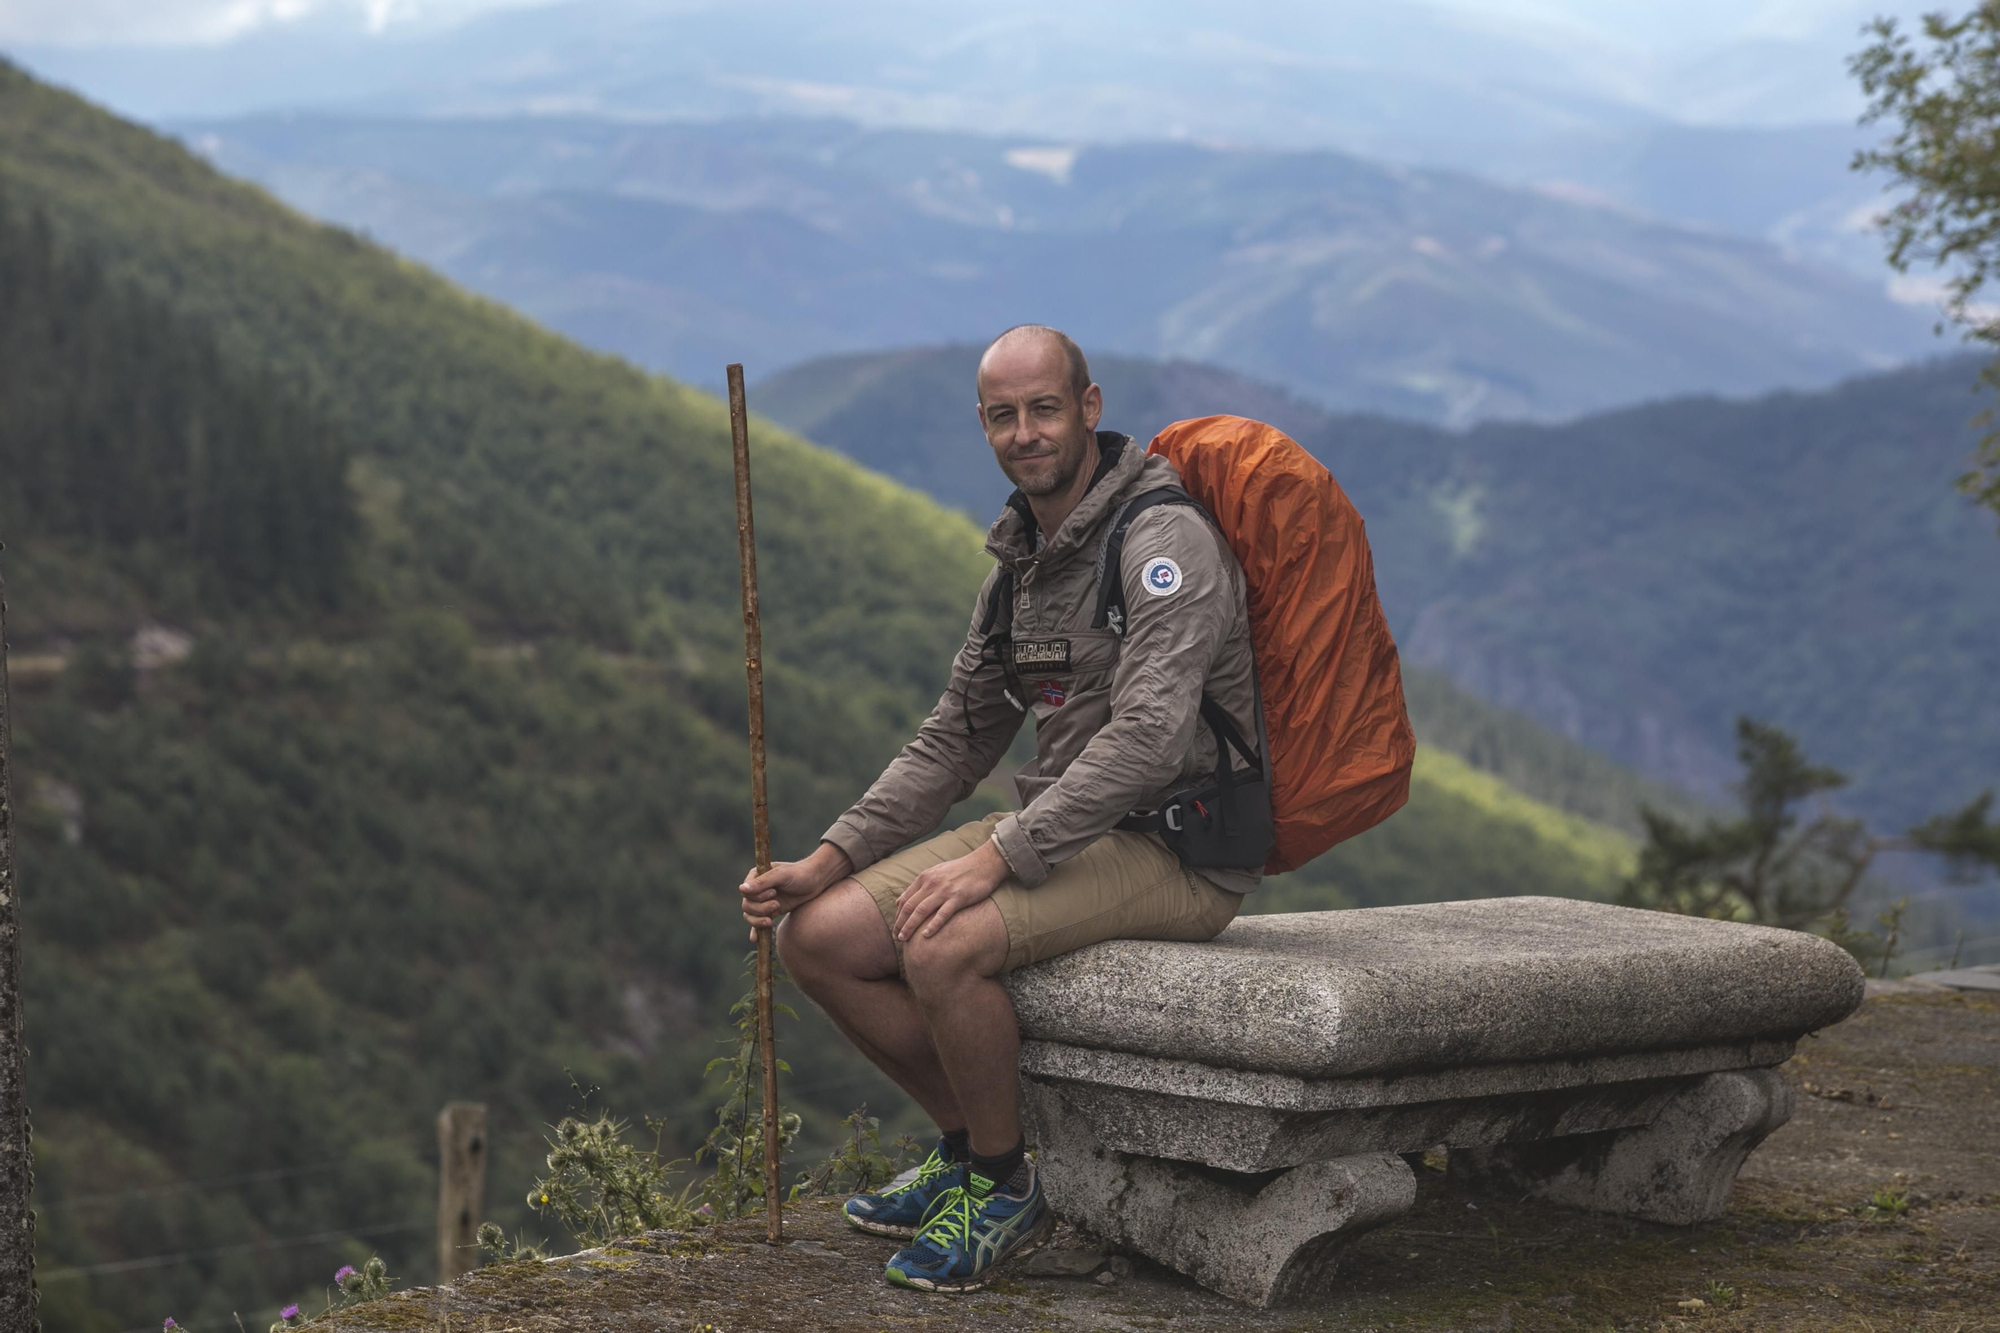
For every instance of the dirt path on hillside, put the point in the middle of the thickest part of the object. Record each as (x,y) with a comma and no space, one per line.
(1877,1208)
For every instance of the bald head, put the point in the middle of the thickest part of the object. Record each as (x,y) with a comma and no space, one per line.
(1040,411)
(1028,348)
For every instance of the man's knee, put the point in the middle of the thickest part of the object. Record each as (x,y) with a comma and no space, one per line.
(831,934)
(968,948)
(808,938)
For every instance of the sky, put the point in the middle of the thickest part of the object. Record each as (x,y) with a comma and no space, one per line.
(1631,24)
(207,22)
(1697,62)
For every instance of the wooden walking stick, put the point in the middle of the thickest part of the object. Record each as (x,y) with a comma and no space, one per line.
(760,814)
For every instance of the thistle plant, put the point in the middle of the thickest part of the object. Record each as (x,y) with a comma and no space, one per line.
(736,1143)
(860,1163)
(359,1286)
(600,1187)
(351,1286)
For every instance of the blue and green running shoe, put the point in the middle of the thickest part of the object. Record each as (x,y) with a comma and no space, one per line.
(968,1234)
(900,1207)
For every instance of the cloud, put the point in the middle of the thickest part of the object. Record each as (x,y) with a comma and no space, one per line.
(1657,25)
(208,22)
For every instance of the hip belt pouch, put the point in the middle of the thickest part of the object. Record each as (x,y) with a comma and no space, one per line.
(1224,824)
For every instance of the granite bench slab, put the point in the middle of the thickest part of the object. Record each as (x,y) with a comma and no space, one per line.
(1237,1109)
(1438,986)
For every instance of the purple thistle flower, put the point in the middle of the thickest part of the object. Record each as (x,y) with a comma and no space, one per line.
(289,1313)
(346,1271)
(169,1325)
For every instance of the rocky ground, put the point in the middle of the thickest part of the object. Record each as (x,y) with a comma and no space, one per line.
(1877,1208)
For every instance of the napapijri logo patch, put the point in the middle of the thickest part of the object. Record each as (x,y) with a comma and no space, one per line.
(1041,655)
(1053,694)
(1162,576)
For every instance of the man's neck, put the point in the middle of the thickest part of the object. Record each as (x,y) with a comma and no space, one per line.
(1050,510)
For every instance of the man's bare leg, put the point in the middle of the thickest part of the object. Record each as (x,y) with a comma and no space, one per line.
(954,977)
(837,949)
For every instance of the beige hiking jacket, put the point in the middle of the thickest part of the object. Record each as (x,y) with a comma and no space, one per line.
(1117,727)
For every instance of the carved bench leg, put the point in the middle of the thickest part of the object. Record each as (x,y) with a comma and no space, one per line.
(1268,1239)
(1677,1169)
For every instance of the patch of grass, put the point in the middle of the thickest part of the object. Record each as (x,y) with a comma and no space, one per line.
(1888,1204)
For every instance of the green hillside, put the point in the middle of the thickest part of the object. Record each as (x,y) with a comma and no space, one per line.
(1487,838)
(459,814)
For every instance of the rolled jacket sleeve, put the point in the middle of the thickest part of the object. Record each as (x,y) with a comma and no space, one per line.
(956,748)
(1175,627)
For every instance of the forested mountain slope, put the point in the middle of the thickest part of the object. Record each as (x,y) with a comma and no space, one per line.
(457,819)
(1634,580)
(125,431)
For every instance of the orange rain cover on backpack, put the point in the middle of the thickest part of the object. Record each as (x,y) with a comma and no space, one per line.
(1341,744)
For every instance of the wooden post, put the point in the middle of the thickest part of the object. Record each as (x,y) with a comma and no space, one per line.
(760,812)
(461,1186)
(17,1174)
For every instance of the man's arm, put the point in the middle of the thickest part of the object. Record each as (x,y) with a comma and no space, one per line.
(1171,641)
(956,748)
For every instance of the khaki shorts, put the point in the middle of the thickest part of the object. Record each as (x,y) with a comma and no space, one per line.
(1124,886)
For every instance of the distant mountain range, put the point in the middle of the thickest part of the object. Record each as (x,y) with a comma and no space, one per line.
(1716,116)
(1791,185)
(1633,580)
(1363,287)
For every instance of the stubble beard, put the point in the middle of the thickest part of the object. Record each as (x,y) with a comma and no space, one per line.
(1068,459)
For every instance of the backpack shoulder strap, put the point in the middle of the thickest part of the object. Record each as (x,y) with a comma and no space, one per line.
(1110,575)
(1002,599)
(996,645)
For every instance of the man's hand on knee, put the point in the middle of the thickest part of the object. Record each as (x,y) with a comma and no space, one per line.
(948,888)
(788,885)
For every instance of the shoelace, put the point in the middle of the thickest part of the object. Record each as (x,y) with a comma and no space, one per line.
(950,1218)
(933,1167)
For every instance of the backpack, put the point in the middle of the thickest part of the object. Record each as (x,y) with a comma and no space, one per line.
(1337,736)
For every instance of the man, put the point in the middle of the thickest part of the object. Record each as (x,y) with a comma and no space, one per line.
(904,950)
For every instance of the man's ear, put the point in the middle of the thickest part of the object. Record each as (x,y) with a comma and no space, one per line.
(1093,407)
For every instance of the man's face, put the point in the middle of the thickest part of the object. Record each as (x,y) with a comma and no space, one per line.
(1040,430)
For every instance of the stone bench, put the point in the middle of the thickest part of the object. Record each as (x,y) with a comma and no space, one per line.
(1236,1109)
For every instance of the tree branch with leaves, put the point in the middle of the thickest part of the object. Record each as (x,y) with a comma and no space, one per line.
(1941,93)
(1791,859)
